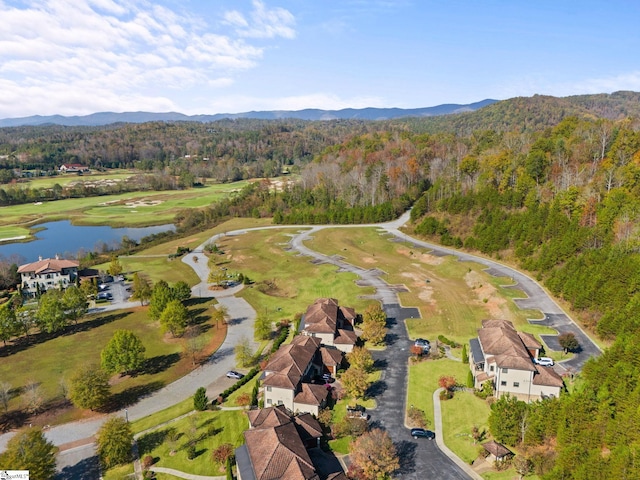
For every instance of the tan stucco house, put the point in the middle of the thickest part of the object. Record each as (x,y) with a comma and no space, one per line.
(504,356)
(331,323)
(46,274)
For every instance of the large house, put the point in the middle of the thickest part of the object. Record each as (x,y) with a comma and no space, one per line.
(331,323)
(46,274)
(505,357)
(276,447)
(73,168)
(288,375)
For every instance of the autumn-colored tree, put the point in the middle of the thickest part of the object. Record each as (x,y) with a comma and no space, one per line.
(447,382)
(568,342)
(355,382)
(417,351)
(374,324)
(375,454)
(222,453)
(361,358)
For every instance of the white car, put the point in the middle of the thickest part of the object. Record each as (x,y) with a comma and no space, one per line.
(544,361)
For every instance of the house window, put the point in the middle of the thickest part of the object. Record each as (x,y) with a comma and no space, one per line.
(491,368)
(268,389)
(505,370)
(516,384)
(503,383)
(268,401)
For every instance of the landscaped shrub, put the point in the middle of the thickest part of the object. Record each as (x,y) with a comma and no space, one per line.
(191,451)
(446,341)
(147,461)
(252,373)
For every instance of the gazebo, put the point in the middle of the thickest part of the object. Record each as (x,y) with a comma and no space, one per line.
(497,451)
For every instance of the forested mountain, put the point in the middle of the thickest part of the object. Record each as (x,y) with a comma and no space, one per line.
(106,118)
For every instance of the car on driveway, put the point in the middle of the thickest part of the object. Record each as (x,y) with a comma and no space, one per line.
(357,411)
(422,342)
(544,361)
(422,433)
(233,374)
(328,378)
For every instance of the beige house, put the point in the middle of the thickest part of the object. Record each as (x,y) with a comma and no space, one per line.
(288,374)
(331,323)
(46,274)
(73,168)
(504,357)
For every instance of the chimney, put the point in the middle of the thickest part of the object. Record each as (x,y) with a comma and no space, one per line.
(40,258)
(57,257)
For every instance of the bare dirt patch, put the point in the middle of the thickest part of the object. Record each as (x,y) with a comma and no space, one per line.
(143,203)
(425,258)
(425,291)
(487,295)
(369,260)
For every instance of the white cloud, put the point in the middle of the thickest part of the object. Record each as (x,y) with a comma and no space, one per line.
(79,56)
(263,23)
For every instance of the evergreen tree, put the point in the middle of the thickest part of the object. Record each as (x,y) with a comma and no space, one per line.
(200,399)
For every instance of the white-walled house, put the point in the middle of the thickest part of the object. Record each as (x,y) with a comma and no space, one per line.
(46,274)
(504,357)
(331,323)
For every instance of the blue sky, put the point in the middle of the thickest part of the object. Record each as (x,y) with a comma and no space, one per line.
(75,57)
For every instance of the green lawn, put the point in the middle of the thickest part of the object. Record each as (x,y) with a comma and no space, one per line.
(459,415)
(284,282)
(53,361)
(162,416)
(13,231)
(156,268)
(210,429)
(64,180)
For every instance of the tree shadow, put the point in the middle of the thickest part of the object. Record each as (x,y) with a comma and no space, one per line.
(23,343)
(193,301)
(131,395)
(376,388)
(380,364)
(85,469)
(407,455)
(148,442)
(159,363)
(390,338)
(12,420)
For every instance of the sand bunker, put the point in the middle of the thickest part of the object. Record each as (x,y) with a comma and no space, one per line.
(143,203)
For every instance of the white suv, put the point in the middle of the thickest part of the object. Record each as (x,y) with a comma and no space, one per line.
(544,361)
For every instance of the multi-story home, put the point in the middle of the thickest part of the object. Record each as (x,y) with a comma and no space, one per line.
(331,323)
(46,274)
(277,447)
(505,357)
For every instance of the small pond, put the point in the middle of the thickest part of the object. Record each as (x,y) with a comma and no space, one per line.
(62,238)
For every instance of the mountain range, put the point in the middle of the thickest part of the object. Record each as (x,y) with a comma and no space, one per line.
(106,118)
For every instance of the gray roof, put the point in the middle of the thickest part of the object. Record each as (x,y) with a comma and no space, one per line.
(243,463)
(476,351)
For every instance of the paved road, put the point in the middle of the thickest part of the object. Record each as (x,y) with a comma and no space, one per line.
(418,458)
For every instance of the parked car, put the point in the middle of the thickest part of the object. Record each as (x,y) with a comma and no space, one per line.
(236,375)
(105,296)
(357,411)
(422,342)
(328,378)
(544,361)
(422,433)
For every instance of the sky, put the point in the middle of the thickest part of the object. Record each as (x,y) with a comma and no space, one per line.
(76,57)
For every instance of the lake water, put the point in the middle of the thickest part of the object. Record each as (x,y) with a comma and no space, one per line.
(64,239)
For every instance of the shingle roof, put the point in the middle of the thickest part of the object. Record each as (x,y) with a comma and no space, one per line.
(331,356)
(278,453)
(496,448)
(311,394)
(48,265)
(345,337)
(547,376)
(501,342)
(268,417)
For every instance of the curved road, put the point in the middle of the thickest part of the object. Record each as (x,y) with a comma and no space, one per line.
(420,459)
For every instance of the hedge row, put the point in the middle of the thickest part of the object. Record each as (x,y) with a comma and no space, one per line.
(252,373)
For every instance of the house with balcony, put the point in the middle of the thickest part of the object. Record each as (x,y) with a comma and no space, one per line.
(331,323)
(46,274)
(505,357)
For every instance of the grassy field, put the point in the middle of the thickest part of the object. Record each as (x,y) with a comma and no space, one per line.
(53,361)
(453,296)
(209,429)
(285,283)
(156,268)
(14,231)
(126,209)
(66,179)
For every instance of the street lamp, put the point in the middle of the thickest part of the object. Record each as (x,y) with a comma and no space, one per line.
(126,415)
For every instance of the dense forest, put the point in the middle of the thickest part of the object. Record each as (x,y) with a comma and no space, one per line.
(551,185)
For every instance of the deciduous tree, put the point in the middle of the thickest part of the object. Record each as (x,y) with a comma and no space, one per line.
(174,318)
(124,353)
(244,352)
(114,442)
(30,450)
(115,267)
(89,387)
(8,322)
(74,301)
(161,295)
(141,288)
(375,453)
(360,357)
(181,291)
(50,315)
(568,342)
(355,382)
(5,395)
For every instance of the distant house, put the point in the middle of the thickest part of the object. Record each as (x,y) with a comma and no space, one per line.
(503,356)
(331,323)
(73,168)
(276,446)
(46,274)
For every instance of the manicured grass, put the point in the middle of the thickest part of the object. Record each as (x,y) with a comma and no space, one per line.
(341,445)
(212,429)
(66,179)
(293,281)
(162,416)
(120,209)
(13,232)
(423,381)
(453,297)
(118,473)
(156,268)
(52,361)
(459,415)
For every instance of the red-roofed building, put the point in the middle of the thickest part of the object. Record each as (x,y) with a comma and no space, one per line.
(46,274)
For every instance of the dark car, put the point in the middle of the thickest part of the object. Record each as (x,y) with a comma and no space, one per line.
(421,342)
(422,433)
(328,378)
(236,375)
(357,411)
